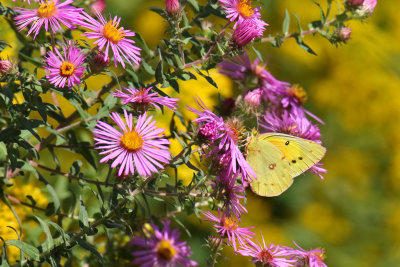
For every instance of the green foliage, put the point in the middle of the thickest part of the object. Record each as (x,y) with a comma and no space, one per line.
(86,199)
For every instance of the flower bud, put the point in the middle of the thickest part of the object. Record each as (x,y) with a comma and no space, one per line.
(208,132)
(247,31)
(98,6)
(172,6)
(343,34)
(253,98)
(6,67)
(99,62)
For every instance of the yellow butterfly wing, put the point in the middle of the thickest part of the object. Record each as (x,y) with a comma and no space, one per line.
(271,167)
(300,153)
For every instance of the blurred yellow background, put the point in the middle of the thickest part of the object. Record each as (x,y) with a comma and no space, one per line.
(354,213)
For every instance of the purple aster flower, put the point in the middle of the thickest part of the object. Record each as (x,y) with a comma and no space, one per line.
(226,140)
(228,227)
(49,13)
(311,258)
(364,7)
(254,75)
(208,132)
(65,69)
(272,255)
(141,99)
(291,124)
(230,193)
(241,10)
(139,146)
(247,31)
(163,248)
(109,35)
(294,97)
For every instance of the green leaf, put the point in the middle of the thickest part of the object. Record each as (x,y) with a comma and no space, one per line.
(64,236)
(159,72)
(91,248)
(194,4)
(28,249)
(142,44)
(83,215)
(49,243)
(298,23)
(286,23)
(208,78)
(301,43)
(3,44)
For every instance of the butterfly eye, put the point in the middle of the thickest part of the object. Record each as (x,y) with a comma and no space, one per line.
(287,143)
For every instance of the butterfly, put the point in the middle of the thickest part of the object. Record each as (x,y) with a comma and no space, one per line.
(277,158)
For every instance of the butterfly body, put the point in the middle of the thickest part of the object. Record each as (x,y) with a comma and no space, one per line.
(277,158)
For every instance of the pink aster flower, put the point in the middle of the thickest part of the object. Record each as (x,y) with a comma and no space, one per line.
(65,69)
(247,31)
(311,258)
(364,7)
(50,12)
(271,255)
(109,35)
(230,193)
(139,146)
(163,248)
(225,140)
(228,227)
(141,99)
(241,10)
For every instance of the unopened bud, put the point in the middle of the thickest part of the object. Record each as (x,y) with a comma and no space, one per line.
(98,6)
(99,62)
(253,98)
(343,34)
(246,31)
(172,6)
(6,67)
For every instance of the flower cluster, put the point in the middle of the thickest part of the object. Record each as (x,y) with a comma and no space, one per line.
(285,112)
(68,69)
(248,22)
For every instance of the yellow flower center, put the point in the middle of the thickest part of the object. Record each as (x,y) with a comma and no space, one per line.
(298,92)
(112,33)
(230,224)
(131,141)
(245,9)
(47,10)
(319,255)
(165,250)
(67,69)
